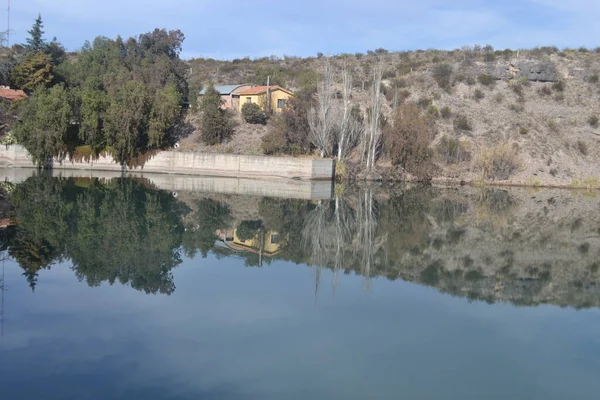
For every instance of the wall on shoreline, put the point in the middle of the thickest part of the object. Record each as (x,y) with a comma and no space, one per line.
(283,188)
(190,163)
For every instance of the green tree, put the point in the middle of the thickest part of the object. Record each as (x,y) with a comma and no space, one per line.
(126,122)
(35,41)
(44,124)
(165,113)
(35,70)
(94,103)
(215,123)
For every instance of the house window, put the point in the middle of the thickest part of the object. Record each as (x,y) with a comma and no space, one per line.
(248,100)
(274,238)
(280,103)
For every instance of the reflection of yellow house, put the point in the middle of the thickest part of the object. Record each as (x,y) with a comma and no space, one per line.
(258,95)
(266,245)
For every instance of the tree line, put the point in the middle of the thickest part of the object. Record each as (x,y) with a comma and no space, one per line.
(121,96)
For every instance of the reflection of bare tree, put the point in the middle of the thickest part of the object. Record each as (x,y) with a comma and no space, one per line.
(345,222)
(316,238)
(365,236)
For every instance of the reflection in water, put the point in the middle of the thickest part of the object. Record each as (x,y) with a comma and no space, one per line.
(483,244)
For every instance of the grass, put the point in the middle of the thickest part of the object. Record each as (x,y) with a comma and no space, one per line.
(498,162)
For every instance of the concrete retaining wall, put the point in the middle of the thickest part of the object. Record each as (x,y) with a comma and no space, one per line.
(188,163)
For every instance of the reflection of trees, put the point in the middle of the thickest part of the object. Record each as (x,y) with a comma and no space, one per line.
(210,215)
(118,231)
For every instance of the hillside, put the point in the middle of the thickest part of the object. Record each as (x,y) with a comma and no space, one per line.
(542,103)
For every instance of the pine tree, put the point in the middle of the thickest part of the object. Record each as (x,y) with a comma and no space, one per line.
(36,43)
(215,123)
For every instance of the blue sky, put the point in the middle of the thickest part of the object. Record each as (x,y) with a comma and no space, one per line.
(237,28)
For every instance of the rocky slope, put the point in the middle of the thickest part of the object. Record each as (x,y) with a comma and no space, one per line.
(543,103)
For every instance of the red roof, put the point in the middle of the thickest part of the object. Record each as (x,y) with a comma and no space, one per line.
(263,89)
(11,94)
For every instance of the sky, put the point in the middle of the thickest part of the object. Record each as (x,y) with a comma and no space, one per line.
(228,29)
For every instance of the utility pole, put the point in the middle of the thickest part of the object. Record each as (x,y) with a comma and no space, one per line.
(8,28)
(268,108)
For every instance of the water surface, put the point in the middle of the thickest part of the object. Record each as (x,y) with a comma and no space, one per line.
(117,289)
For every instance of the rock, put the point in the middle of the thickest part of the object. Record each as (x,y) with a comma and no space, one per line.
(532,70)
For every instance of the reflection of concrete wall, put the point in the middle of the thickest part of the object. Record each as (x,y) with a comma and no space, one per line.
(285,188)
(190,163)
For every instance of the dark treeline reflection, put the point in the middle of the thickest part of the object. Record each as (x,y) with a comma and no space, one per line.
(482,244)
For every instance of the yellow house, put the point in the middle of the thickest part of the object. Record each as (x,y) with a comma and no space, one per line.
(267,245)
(258,95)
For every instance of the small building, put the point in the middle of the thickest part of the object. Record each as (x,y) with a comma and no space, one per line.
(230,94)
(12,94)
(258,95)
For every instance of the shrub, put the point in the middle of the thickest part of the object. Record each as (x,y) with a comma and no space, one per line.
(461,123)
(445,112)
(406,140)
(545,91)
(523,130)
(486,80)
(516,107)
(442,73)
(452,150)
(499,162)
(498,97)
(432,111)
(253,114)
(582,147)
(593,121)
(559,97)
(593,78)
(478,94)
(424,102)
(517,87)
(275,141)
(559,86)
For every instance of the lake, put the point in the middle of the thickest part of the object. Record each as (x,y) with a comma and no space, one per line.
(126,288)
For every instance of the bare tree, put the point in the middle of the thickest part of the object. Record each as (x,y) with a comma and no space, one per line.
(371,138)
(320,118)
(349,127)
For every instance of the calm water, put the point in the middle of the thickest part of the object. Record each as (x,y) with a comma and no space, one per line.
(116,289)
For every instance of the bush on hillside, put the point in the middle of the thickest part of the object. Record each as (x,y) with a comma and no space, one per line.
(499,162)
(593,121)
(253,114)
(442,73)
(406,140)
(452,150)
(461,123)
(486,80)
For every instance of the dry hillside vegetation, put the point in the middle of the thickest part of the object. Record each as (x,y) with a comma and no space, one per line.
(526,117)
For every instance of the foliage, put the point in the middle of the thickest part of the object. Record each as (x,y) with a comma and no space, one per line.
(275,141)
(406,140)
(486,80)
(45,123)
(210,215)
(461,123)
(35,70)
(498,162)
(35,41)
(593,121)
(247,230)
(126,95)
(445,112)
(119,232)
(215,123)
(582,147)
(253,114)
(478,95)
(559,86)
(442,73)
(452,150)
